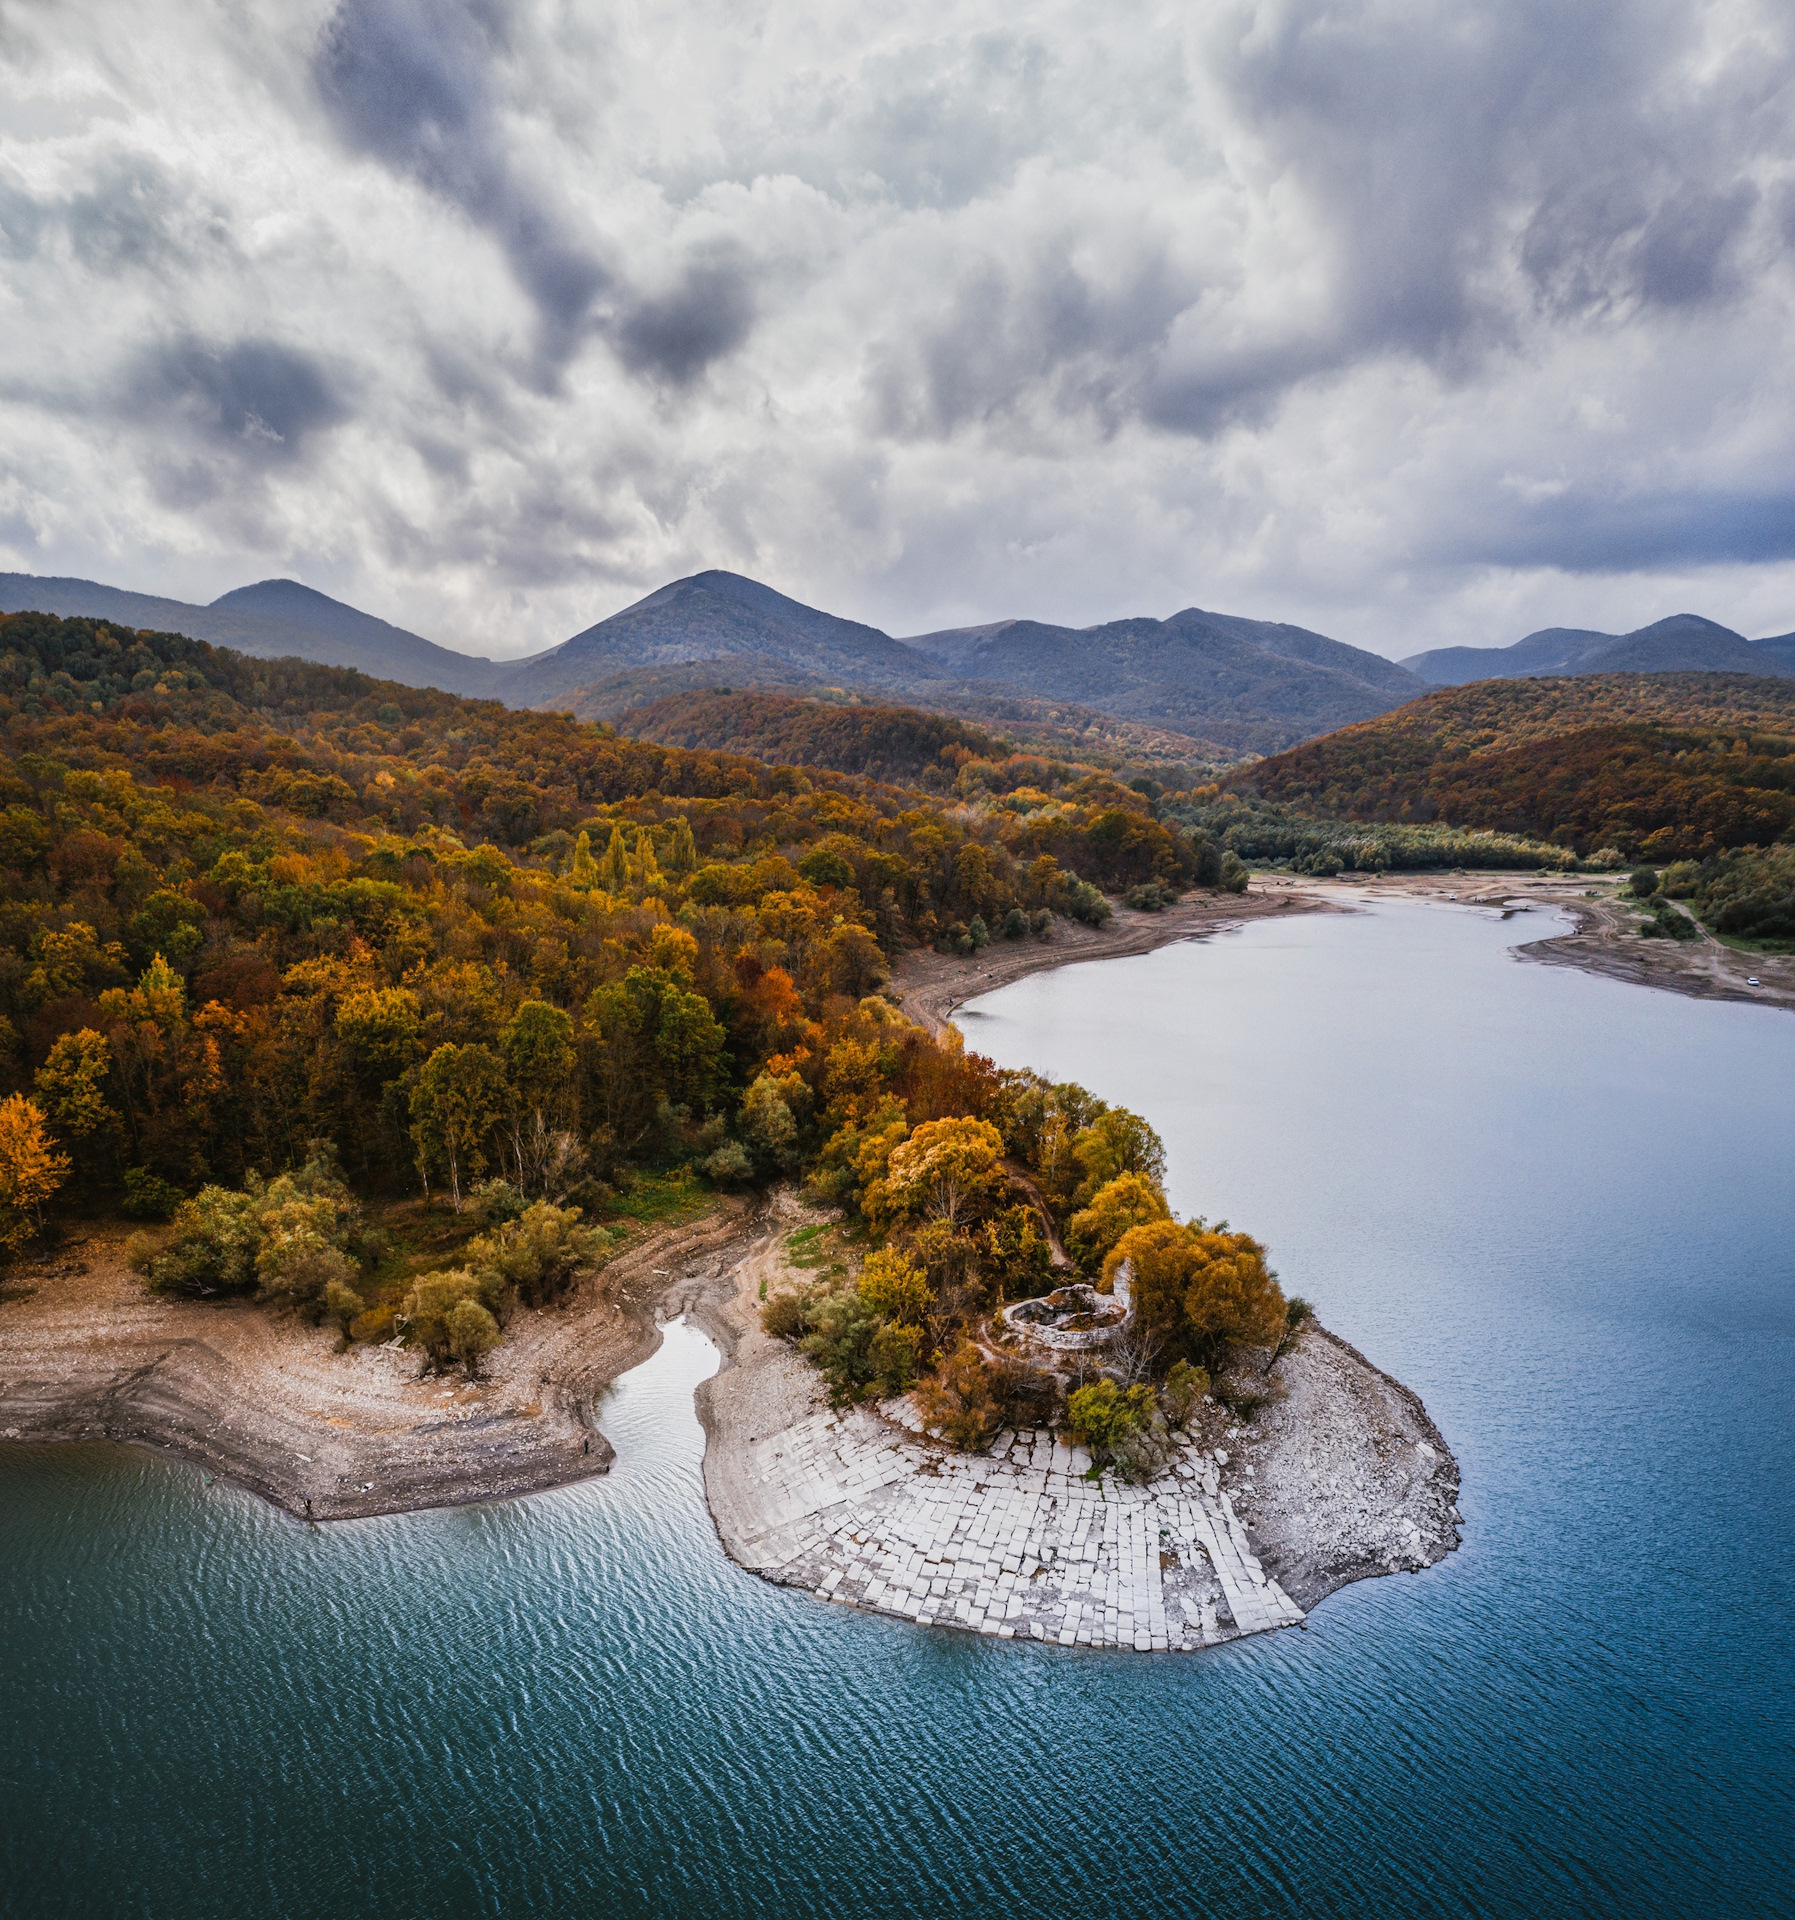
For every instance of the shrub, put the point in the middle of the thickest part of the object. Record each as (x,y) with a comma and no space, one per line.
(1234,874)
(536,1255)
(1103,1413)
(216,1238)
(895,1287)
(783,1316)
(148,1196)
(1151,896)
(843,1328)
(895,1357)
(472,1333)
(434,1298)
(344,1305)
(959,1402)
(1121,1426)
(1015,924)
(1642,883)
(729,1166)
(493,1202)
(1185,1387)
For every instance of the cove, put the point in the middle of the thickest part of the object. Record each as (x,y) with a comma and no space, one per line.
(1559,1208)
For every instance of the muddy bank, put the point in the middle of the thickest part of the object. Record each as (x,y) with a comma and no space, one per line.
(87,1354)
(1247,1526)
(929,986)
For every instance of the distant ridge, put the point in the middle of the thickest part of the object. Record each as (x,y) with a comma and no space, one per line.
(1260,683)
(718,616)
(1683,643)
(274,619)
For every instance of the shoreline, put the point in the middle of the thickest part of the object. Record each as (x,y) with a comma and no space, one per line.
(270,1404)
(1244,1531)
(1248,1527)
(930,987)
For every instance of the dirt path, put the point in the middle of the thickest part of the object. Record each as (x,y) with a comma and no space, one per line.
(929,986)
(86,1353)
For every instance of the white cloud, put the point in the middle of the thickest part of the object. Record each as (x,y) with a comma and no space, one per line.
(1419,323)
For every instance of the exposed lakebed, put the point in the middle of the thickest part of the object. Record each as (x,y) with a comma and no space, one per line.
(1561,1209)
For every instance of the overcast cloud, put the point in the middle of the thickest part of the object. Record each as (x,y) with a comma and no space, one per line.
(1418,322)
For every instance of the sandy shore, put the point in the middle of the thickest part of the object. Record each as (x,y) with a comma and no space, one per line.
(929,985)
(1341,1478)
(86,1353)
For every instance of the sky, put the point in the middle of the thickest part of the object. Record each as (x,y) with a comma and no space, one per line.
(1415,322)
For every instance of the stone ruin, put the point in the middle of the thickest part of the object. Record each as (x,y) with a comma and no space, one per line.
(1076,1318)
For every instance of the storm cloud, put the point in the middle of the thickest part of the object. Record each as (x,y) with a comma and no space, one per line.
(1415,324)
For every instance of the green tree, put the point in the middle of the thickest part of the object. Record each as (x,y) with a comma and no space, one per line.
(472,1334)
(457,1106)
(1117,1142)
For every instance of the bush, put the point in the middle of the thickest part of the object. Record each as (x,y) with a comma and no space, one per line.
(432,1301)
(1233,877)
(1185,1386)
(1642,882)
(843,1328)
(472,1333)
(783,1316)
(895,1287)
(729,1166)
(1015,924)
(1121,1426)
(493,1202)
(536,1255)
(216,1238)
(960,1403)
(147,1196)
(1103,1414)
(344,1305)
(1151,896)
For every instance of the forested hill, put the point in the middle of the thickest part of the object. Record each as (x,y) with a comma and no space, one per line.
(900,744)
(1659,767)
(271,620)
(249,900)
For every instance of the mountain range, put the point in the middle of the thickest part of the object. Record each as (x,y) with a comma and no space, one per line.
(1685,643)
(1200,685)
(271,620)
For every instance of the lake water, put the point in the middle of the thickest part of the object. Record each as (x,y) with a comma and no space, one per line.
(1561,1208)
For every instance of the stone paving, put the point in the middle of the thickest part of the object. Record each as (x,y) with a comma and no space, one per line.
(1013,1542)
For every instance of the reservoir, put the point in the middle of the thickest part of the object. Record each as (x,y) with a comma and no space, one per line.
(1560,1208)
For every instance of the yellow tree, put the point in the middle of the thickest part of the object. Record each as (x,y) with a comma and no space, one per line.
(945,1168)
(1200,1291)
(1129,1200)
(31,1170)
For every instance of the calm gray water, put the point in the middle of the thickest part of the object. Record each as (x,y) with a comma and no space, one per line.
(1562,1209)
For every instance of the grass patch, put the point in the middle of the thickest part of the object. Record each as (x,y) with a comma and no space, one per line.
(656,1198)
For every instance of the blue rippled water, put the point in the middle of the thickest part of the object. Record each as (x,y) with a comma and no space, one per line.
(1562,1209)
